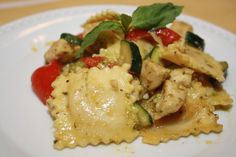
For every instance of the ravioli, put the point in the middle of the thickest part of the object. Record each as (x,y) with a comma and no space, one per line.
(188,56)
(93,21)
(208,94)
(193,118)
(94,106)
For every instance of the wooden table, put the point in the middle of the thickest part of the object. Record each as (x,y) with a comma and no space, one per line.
(219,12)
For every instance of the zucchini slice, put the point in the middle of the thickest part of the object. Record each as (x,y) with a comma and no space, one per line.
(144,47)
(155,55)
(194,40)
(72,39)
(129,53)
(145,120)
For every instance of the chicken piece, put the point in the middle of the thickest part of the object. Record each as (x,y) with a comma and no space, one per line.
(182,76)
(153,75)
(193,58)
(60,50)
(174,91)
(172,96)
(181,28)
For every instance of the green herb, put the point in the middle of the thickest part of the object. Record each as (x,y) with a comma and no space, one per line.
(155,16)
(125,21)
(144,17)
(72,39)
(91,37)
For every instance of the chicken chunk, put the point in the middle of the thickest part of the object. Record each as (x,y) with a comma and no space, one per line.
(181,76)
(153,75)
(60,50)
(172,96)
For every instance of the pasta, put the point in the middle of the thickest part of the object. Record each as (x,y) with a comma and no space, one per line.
(100,112)
(123,78)
(215,96)
(193,58)
(103,16)
(193,118)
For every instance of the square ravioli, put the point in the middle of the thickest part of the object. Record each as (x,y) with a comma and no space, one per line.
(89,108)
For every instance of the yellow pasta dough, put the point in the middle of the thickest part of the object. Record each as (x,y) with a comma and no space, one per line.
(193,118)
(210,95)
(107,15)
(94,106)
(188,56)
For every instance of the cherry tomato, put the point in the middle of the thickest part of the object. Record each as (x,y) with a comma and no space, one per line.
(81,35)
(167,35)
(42,79)
(92,61)
(138,34)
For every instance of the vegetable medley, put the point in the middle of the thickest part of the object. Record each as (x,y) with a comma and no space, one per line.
(144,75)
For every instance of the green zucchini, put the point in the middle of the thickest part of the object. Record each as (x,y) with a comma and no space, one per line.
(155,55)
(144,47)
(145,120)
(72,39)
(129,53)
(194,40)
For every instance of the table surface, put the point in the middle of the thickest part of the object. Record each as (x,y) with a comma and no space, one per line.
(218,12)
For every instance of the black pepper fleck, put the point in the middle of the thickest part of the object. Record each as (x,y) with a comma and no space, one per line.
(55,141)
(64,93)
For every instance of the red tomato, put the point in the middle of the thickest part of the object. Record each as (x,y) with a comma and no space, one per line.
(81,35)
(42,79)
(167,35)
(92,61)
(138,34)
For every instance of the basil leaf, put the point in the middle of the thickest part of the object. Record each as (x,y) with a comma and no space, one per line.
(91,37)
(72,39)
(155,15)
(125,21)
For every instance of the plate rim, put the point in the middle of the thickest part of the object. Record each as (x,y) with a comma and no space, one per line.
(29,18)
(230,36)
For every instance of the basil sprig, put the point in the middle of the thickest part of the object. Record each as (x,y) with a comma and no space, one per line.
(91,37)
(155,15)
(125,21)
(144,17)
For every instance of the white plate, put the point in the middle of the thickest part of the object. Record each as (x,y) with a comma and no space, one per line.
(25,125)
